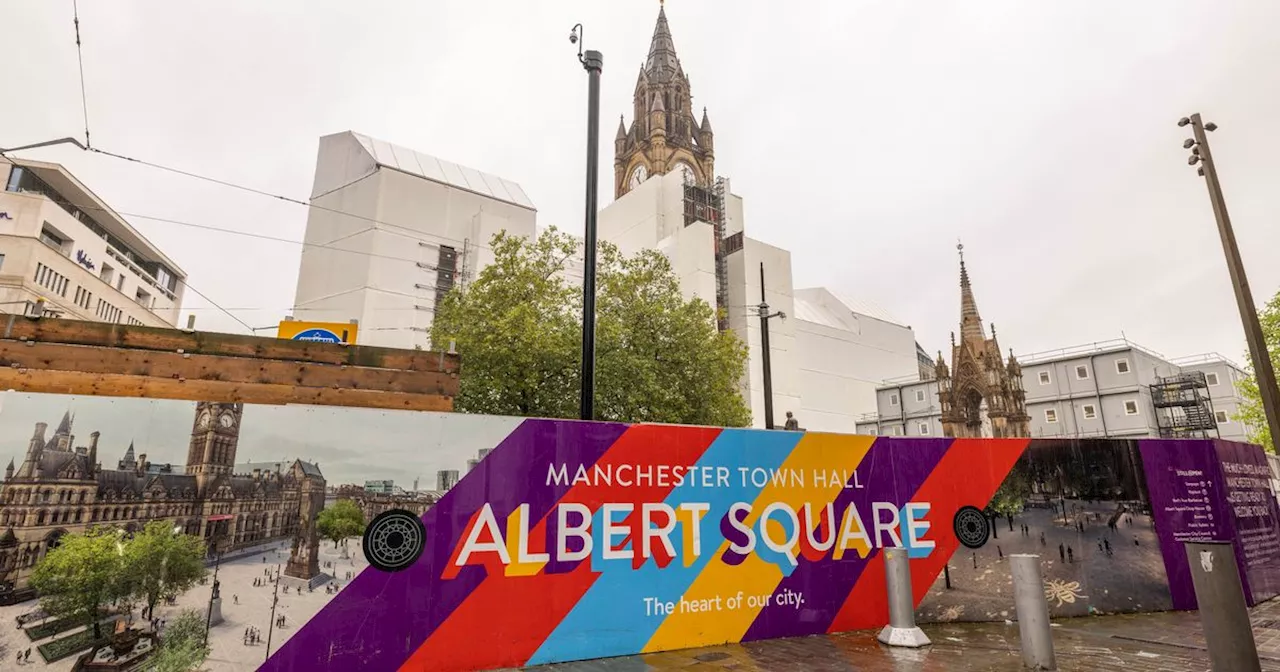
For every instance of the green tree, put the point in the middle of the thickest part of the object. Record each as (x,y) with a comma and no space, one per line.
(659,357)
(1250,411)
(183,646)
(160,563)
(82,575)
(342,520)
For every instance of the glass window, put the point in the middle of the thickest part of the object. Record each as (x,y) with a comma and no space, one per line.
(1050,416)
(893,400)
(924,429)
(1082,372)
(1044,378)
(920,395)
(1220,416)
(1131,407)
(1122,366)
(1212,379)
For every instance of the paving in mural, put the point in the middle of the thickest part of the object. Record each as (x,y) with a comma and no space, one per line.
(1081,555)
(1165,642)
(244,605)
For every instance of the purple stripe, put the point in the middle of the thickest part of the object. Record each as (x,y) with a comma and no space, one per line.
(892,471)
(381,618)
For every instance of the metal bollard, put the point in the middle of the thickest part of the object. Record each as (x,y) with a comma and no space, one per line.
(902,630)
(1223,613)
(1033,612)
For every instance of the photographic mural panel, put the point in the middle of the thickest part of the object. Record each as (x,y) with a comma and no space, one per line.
(493,542)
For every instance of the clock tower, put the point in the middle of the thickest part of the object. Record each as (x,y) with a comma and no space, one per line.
(214,438)
(664,135)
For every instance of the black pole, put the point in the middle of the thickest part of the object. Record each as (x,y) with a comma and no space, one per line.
(593,61)
(764,350)
(213,590)
(271,628)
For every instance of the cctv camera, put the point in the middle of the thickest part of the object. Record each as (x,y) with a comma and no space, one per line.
(573,38)
(1192,160)
(1183,121)
(1186,144)
(1211,127)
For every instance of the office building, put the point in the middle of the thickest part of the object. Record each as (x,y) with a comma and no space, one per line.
(1115,389)
(392,230)
(62,244)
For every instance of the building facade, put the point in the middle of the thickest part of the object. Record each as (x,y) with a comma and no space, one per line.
(61,244)
(62,488)
(392,230)
(1090,391)
(830,351)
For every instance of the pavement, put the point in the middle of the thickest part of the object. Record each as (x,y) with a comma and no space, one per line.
(1164,642)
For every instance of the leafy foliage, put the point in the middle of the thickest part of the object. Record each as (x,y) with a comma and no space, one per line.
(183,646)
(160,564)
(343,519)
(1250,411)
(80,576)
(659,356)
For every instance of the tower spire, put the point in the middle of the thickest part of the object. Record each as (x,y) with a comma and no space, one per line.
(662,62)
(970,321)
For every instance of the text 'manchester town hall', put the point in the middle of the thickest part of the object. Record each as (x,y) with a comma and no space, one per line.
(61,488)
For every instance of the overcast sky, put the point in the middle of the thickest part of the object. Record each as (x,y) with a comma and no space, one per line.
(866,137)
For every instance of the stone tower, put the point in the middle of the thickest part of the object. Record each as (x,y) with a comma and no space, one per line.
(664,135)
(304,556)
(214,437)
(980,395)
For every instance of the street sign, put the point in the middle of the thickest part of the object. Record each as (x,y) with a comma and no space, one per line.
(318,332)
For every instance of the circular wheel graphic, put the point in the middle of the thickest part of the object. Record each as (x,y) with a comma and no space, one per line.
(394,540)
(972,527)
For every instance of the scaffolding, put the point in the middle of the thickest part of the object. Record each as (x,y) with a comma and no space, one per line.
(707,205)
(1183,406)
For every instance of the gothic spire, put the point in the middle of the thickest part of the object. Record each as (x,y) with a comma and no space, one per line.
(64,427)
(128,454)
(662,62)
(622,129)
(706,122)
(970,322)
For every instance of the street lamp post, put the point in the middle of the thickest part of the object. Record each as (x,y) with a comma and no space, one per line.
(1262,369)
(213,591)
(593,63)
(765,316)
(275,599)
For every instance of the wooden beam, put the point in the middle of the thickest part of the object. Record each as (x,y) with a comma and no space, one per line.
(76,332)
(172,365)
(124,385)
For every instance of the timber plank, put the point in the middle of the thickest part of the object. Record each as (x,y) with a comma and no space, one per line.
(124,385)
(77,332)
(168,364)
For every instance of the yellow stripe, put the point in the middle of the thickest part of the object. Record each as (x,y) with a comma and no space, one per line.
(815,452)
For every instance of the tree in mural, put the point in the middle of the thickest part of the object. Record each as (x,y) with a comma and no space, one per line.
(1250,411)
(183,646)
(340,522)
(161,563)
(659,356)
(81,576)
(1011,497)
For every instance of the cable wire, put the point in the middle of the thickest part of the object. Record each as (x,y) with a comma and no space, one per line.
(84,99)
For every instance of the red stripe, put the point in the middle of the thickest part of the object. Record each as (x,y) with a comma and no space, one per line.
(504,621)
(968,475)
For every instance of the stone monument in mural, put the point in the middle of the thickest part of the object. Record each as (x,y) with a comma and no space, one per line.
(304,560)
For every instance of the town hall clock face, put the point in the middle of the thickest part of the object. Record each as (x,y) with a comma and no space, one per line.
(639,175)
(686,172)
(205,421)
(227,421)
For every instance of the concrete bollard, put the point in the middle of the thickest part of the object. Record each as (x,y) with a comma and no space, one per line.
(1033,612)
(902,630)
(1223,612)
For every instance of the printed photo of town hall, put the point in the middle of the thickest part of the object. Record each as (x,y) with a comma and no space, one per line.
(163,520)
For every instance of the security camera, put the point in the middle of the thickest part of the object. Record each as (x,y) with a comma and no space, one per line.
(1183,121)
(1186,144)
(1211,127)
(1200,171)
(573,37)
(1192,160)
